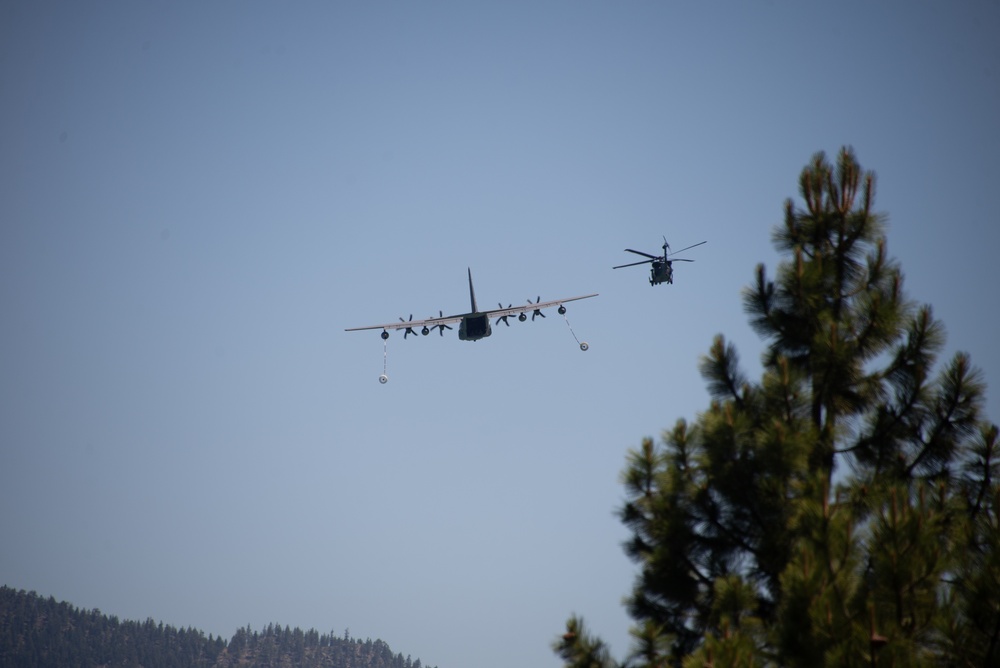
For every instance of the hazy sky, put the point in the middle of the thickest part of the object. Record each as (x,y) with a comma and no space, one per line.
(197,198)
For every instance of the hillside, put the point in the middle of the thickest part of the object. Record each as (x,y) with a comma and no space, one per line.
(37,632)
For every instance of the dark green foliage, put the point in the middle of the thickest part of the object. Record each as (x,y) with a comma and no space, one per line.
(579,649)
(845,509)
(36,633)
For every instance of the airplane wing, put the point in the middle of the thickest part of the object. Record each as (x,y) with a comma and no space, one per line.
(515,310)
(429,322)
(451,319)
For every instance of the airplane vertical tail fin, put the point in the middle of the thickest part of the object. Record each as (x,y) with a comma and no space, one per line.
(472,293)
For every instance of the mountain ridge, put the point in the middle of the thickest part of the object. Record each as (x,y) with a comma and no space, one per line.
(39,632)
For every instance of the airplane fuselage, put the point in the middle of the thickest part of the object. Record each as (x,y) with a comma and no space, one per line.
(474,327)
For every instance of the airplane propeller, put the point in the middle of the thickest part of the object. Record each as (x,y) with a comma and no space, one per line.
(503,317)
(441,328)
(409,330)
(537,311)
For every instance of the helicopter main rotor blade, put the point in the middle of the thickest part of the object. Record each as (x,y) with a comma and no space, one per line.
(634,263)
(680,259)
(684,249)
(654,257)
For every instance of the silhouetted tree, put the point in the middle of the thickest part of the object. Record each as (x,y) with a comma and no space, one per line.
(843,510)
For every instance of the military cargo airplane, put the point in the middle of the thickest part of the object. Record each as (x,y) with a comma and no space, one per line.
(475,324)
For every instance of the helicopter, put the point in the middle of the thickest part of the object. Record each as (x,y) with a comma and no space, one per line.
(661,270)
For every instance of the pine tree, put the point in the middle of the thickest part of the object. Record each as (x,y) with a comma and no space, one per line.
(845,509)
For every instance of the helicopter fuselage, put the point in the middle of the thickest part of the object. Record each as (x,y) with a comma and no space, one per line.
(661,271)
(661,268)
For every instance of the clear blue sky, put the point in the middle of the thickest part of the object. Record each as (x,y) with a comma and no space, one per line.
(196,198)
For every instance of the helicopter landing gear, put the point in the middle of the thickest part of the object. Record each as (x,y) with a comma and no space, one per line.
(383,379)
(584,346)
